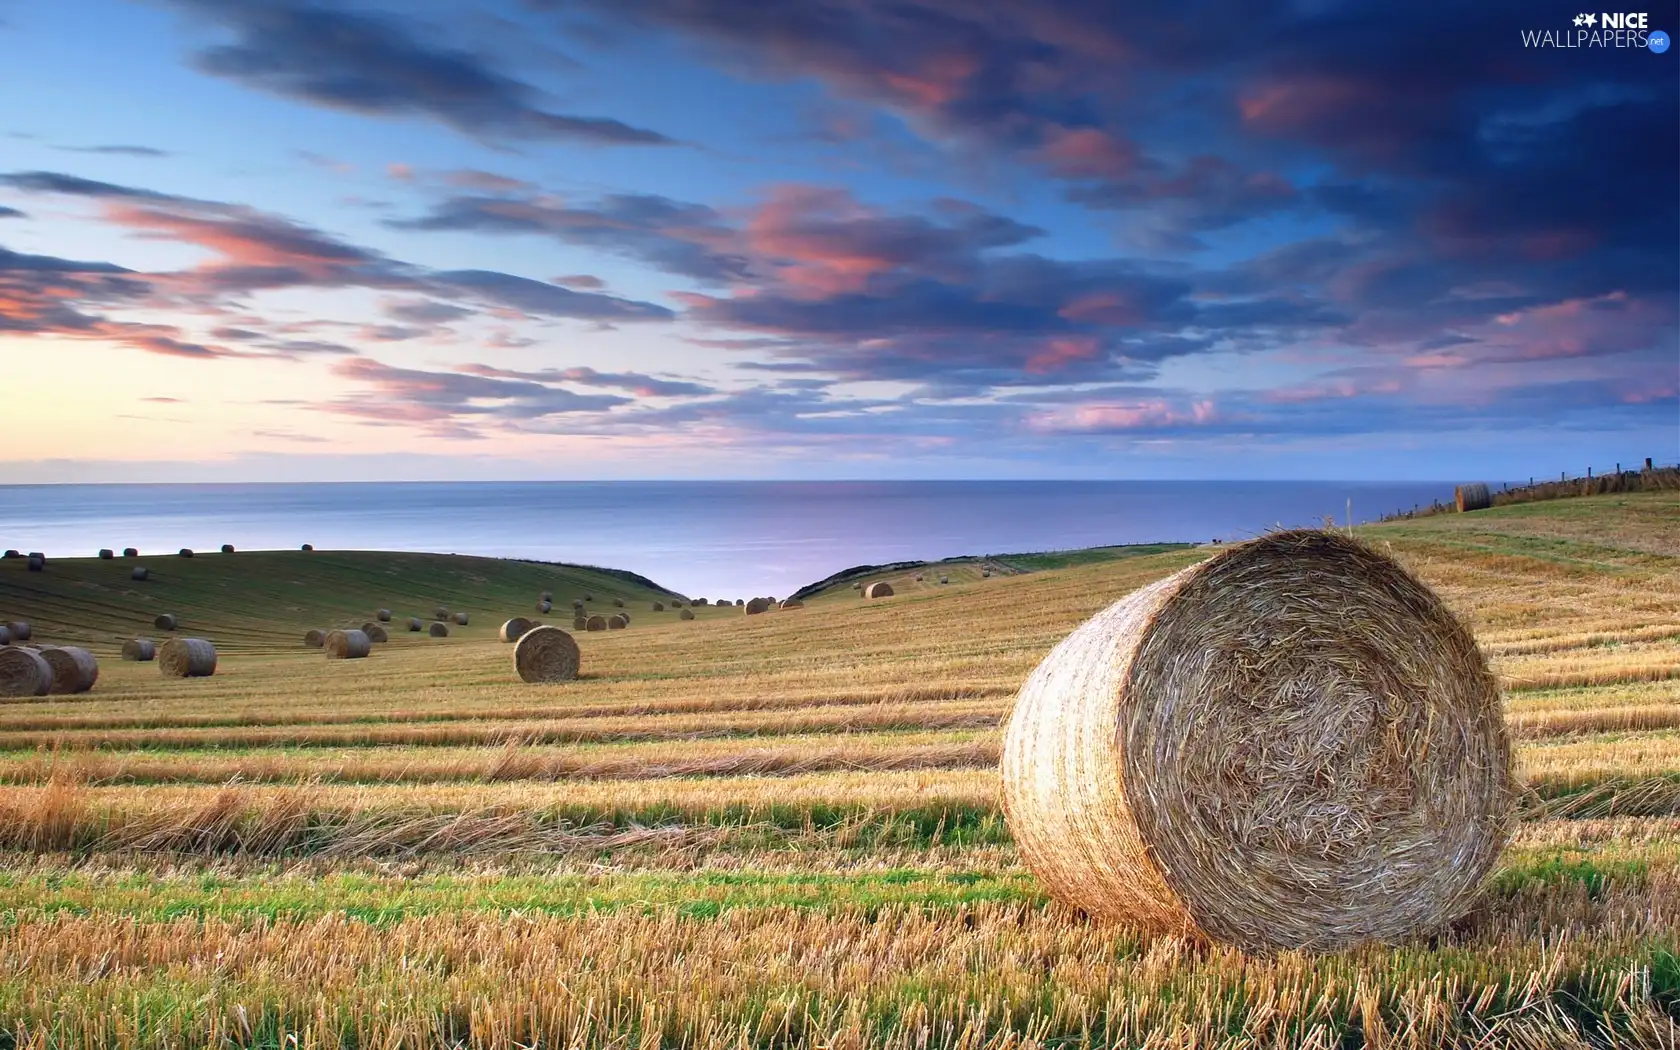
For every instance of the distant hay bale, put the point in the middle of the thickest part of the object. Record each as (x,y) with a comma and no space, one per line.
(511,630)
(440,613)
(37,563)
(11,552)
(382,615)
(546,654)
(618,603)
(1291,745)
(439,630)
(140,574)
(577,603)
(20,630)
(580,623)
(757,605)
(985,573)
(944,579)
(544,607)
(185,552)
(699,601)
(882,589)
(106,554)
(857,586)
(165,622)
(617,622)
(676,604)
(5,635)
(139,650)
(350,645)
(24,672)
(74,669)
(416,624)
(791,603)
(461,619)
(546,596)
(307,547)
(589,597)
(595,623)
(686,614)
(131,552)
(740,602)
(919,577)
(227,548)
(187,658)
(1473,496)
(314,639)
(658,606)
(376,633)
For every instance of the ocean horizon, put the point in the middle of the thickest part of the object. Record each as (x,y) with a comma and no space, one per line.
(701,538)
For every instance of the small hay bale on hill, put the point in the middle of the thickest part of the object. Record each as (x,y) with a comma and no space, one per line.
(658,606)
(589,597)
(165,622)
(919,577)
(131,552)
(758,605)
(140,574)
(1474,496)
(546,596)
(944,579)
(883,589)
(1291,745)
(686,614)
(20,630)
(699,601)
(307,547)
(37,563)
(11,552)
(440,613)
(544,607)
(185,552)
(791,603)
(106,554)
(618,603)
(227,548)
(580,623)
(24,672)
(314,639)
(139,650)
(546,654)
(577,603)
(617,622)
(462,619)
(416,624)
(595,623)
(347,645)
(376,633)
(511,630)
(740,602)
(857,586)
(187,658)
(74,669)
(382,615)
(439,630)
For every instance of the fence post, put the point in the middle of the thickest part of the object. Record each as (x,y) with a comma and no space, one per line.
(1647,462)
(1589,473)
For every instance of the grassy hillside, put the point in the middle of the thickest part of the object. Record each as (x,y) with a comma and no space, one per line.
(902,575)
(779,830)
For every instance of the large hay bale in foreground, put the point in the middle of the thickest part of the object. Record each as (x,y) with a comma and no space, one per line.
(878,590)
(314,639)
(187,658)
(595,623)
(23,672)
(74,669)
(758,605)
(140,574)
(546,654)
(1474,496)
(686,614)
(139,650)
(439,630)
(382,615)
(617,622)
(348,645)
(165,622)
(1291,745)
(511,630)
(20,630)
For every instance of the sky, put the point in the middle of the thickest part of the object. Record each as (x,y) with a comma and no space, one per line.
(250,240)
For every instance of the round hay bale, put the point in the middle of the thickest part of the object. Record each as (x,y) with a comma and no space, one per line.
(919,577)
(546,654)
(383,615)
(617,622)
(857,586)
(589,597)
(676,604)
(1474,496)
(11,552)
(595,623)
(515,627)
(106,554)
(227,548)
(944,579)
(131,552)
(314,639)
(187,658)
(791,603)
(461,619)
(740,602)
(140,574)
(544,607)
(686,614)
(37,563)
(416,624)
(440,613)
(439,630)
(139,650)
(20,630)
(307,547)
(658,606)
(185,552)
(5,635)
(580,623)
(546,596)
(618,603)
(758,605)
(24,672)
(577,603)
(376,633)
(878,590)
(1292,745)
(74,669)
(348,645)
(699,601)
(165,622)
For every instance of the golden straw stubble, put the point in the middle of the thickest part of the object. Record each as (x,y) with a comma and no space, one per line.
(1291,745)
(546,654)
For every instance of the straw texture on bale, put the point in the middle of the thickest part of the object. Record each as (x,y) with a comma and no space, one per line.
(347,645)
(227,548)
(23,672)
(758,605)
(686,614)
(315,639)
(37,563)
(416,624)
(878,590)
(139,650)
(461,619)
(440,630)
(658,606)
(375,632)
(1292,745)
(140,574)
(595,623)
(106,554)
(20,630)
(165,622)
(791,603)
(131,552)
(5,634)
(185,552)
(546,654)
(511,630)
(383,615)
(1473,496)
(545,606)
(617,622)
(187,658)
(74,669)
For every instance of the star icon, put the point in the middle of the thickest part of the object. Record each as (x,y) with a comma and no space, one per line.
(1580,20)
(1592,20)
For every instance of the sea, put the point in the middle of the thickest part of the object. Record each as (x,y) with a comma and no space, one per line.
(694,537)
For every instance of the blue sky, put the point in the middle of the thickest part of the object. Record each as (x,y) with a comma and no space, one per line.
(266,239)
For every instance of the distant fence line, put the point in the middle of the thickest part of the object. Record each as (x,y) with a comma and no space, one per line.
(1640,477)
